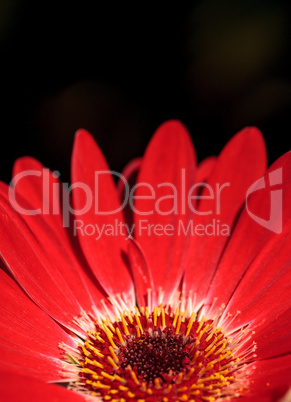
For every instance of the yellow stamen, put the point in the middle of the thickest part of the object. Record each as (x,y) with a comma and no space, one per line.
(97,377)
(195,356)
(134,377)
(176,317)
(112,362)
(93,363)
(200,324)
(85,351)
(183,398)
(144,386)
(147,313)
(124,325)
(111,340)
(220,350)
(190,372)
(106,375)
(88,371)
(210,351)
(168,389)
(179,324)
(96,351)
(211,345)
(109,324)
(155,316)
(129,316)
(163,317)
(190,323)
(179,378)
(182,389)
(106,329)
(99,384)
(201,333)
(122,388)
(138,323)
(120,336)
(120,379)
(157,383)
(113,354)
(137,310)
(98,337)
(138,333)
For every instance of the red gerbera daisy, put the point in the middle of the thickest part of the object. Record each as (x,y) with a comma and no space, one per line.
(186,300)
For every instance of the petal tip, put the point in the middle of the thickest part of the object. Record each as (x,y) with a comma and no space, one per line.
(82,132)
(172,125)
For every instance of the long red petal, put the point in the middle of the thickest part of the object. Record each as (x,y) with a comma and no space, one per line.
(142,276)
(22,388)
(62,258)
(25,362)
(131,169)
(271,376)
(256,398)
(57,248)
(235,170)
(249,236)
(41,189)
(205,168)
(28,335)
(265,281)
(263,299)
(204,171)
(165,178)
(32,269)
(125,184)
(33,182)
(96,205)
(273,335)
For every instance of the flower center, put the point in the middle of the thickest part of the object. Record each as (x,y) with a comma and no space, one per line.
(156,355)
(160,356)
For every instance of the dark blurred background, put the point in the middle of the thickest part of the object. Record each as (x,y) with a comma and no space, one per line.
(120,71)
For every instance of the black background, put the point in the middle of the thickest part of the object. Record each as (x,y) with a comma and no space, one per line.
(119,71)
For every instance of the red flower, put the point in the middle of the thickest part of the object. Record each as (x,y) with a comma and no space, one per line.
(209,272)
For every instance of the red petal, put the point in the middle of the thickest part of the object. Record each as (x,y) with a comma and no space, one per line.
(204,171)
(256,398)
(40,187)
(124,186)
(273,335)
(32,269)
(263,299)
(271,376)
(25,389)
(205,168)
(265,282)
(249,237)
(131,169)
(105,255)
(235,170)
(25,362)
(141,273)
(28,333)
(25,324)
(168,166)
(55,244)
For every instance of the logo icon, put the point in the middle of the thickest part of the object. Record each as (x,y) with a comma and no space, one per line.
(271,182)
